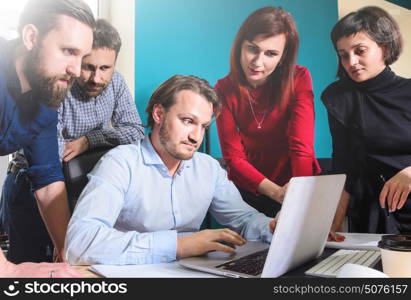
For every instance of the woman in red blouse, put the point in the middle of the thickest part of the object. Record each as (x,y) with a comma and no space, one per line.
(266,127)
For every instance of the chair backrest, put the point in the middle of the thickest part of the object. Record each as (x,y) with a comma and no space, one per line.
(75,173)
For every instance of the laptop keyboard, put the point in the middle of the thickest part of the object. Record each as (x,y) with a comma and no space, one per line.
(330,266)
(251,264)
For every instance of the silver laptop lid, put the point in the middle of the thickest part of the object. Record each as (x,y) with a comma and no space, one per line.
(301,233)
(304,222)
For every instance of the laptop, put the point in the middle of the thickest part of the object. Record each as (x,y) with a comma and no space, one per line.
(302,229)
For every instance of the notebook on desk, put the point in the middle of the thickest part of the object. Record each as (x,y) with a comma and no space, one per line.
(302,230)
(165,270)
(357,241)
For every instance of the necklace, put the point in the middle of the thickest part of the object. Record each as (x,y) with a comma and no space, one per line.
(259,123)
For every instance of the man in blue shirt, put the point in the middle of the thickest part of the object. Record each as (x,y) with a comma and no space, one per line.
(144,201)
(36,72)
(98,111)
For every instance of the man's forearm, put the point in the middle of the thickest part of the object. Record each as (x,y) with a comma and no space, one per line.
(53,206)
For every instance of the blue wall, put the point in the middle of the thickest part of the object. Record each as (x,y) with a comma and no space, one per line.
(195,37)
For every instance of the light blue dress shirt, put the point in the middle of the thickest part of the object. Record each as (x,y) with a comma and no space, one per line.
(132,211)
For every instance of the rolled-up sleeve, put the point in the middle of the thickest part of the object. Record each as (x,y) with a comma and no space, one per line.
(43,158)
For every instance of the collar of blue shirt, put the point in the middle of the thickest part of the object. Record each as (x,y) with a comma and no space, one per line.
(151,157)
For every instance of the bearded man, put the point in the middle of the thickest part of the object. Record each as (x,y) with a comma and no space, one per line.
(98,111)
(37,70)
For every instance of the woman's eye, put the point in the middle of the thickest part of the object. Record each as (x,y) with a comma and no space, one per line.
(344,55)
(252,48)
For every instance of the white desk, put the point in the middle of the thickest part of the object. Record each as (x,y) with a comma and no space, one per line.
(166,270)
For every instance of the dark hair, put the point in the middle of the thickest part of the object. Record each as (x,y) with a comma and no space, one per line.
(268,21)
(165,94)
(43,13)
(378,25)
(106,36)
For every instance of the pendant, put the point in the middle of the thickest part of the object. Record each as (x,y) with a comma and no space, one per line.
(259,127)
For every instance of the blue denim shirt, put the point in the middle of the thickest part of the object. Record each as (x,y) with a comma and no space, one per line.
(132,210)
(26,124)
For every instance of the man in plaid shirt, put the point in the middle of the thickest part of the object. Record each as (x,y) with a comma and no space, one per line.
(99,96)
(98,111)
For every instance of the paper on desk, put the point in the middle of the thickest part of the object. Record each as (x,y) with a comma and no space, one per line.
(358,241)
(166,270)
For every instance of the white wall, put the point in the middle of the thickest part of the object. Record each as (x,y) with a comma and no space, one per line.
(120,13)
(401,15)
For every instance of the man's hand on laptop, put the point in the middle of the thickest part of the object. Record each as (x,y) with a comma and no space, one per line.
(208,240)
(335,237)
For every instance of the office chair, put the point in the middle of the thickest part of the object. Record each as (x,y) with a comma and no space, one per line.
(75,173)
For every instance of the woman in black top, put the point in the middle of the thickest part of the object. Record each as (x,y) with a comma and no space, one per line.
(369,112)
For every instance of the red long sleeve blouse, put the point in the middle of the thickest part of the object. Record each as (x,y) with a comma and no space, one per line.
(282,148)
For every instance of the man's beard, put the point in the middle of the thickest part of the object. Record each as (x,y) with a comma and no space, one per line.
(165,140)
(89,90)
(46,88)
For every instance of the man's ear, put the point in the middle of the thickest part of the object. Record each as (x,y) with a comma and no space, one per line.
(158,113)
(30,36)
